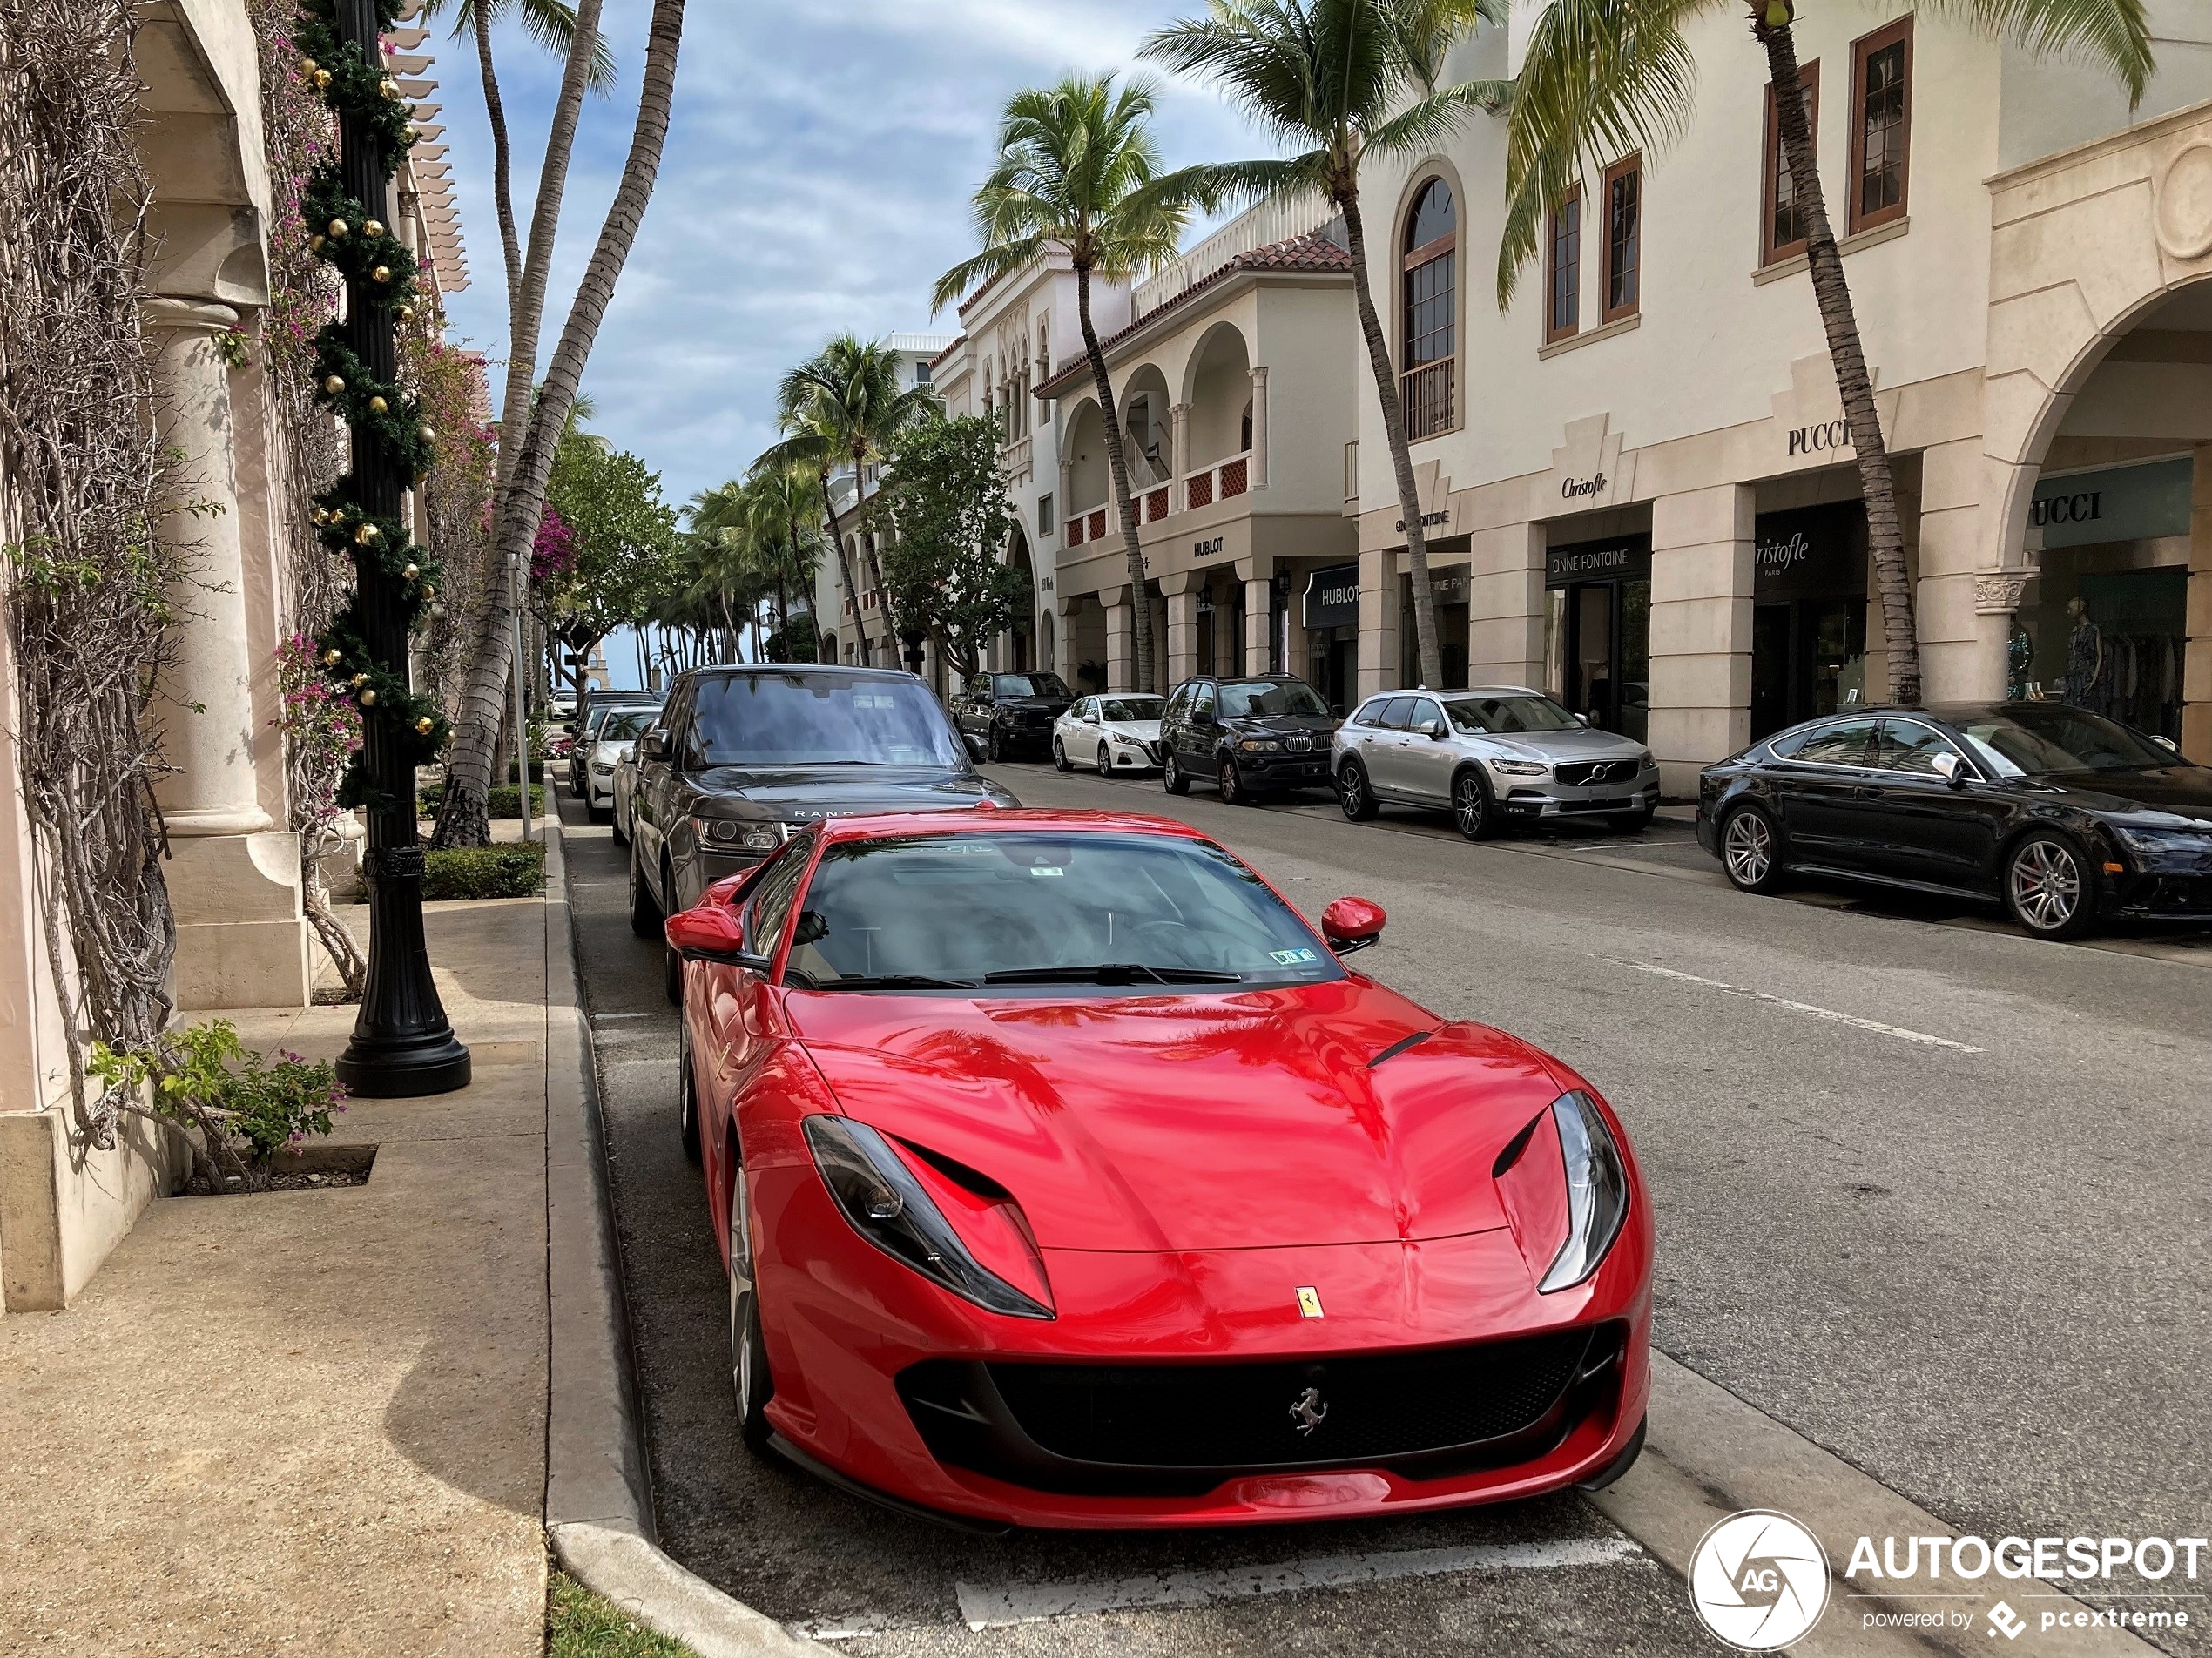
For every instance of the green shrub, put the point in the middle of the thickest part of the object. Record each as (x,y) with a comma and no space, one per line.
(510,869)
(500,800)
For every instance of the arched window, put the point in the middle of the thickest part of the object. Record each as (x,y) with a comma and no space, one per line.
(1429,374)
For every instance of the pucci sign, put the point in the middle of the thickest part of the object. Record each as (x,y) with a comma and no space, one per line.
(1819,437)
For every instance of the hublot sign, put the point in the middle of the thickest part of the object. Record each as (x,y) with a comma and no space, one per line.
(1205,549)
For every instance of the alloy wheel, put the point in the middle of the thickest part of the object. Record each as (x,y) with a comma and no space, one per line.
(2045,885)
(687,1107)
(1232,783)
(1470,807)
(1105,762)
(993,747)
(745,1365)
(1747,849)
(1171,777)
(1352,794)
(1060,760)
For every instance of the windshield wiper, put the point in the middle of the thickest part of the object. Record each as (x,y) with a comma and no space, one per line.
(1110,973)
(895,981)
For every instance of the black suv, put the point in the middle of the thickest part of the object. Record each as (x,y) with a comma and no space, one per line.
(1004,715)
(1248,736)
(743,755)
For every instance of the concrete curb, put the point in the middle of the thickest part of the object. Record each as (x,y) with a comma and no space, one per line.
(598,1485)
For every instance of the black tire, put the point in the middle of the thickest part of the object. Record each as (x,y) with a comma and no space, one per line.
(687,1096)
(645,919)
(1353,794)
(1171,777)
(994,747)
(2050,886)
(672,975)
(750,1383)
(1752,850)
(597,813)
(1060,760)
(1229,782)
(614,826)
(1105,762)
(1632,823)
(1474,809)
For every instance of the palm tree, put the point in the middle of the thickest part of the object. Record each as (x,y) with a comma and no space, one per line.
(841,407)
(552,24)
(779,514)
(1337,81)
(1604,77)
(1078,172)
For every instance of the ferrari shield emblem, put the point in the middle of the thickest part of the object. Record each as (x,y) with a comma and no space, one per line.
(1309,1302)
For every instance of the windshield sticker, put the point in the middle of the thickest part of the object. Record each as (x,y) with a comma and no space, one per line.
(1047,869)
(1293,957)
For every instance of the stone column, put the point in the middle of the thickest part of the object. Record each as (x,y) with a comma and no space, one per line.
(1506,606)
(1121,650)
(1181,591)
(1257,472)
(1380,667)
(234,877)
(1259,619)
(1179,461)
(2196,661)
(1964,618)
(1700,629)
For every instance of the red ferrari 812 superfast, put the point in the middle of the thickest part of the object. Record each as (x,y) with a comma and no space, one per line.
(1066,1177)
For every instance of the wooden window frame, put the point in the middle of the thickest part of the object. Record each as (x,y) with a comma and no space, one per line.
(1862,49)
(1410,261)
(1608,311)
(1552,332)
(1771,163)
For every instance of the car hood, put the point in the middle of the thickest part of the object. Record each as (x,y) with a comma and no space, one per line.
(1278,724)
(799,793)
(1570,746)
(1142,731)
(1154,1123)
(1050,705)
(2186,790)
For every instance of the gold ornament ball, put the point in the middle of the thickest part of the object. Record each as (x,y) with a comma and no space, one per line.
(411,572)
(377,406)
(424,726)
(332,657)
(338,228)
(359,680)
(334,385)
(428,591)
(365,535)
(373,227)
(314,244)
(406,313)
(389,87)
(309,66)
(429,433)
(322,80)
(382,274)
(407,135)
(368,698)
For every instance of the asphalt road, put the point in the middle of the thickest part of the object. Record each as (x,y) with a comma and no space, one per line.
(1929,1192)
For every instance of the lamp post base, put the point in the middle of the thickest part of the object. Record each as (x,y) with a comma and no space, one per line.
(403,1045)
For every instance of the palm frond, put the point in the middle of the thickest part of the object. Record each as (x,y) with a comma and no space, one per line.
(2115,33)
(995,260)
(1439,116)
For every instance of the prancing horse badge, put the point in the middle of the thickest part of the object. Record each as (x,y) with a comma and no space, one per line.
(1309,1302)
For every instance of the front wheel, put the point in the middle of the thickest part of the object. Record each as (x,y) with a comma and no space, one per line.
(994,747)
(1232,784)
(617,828)
(1472,809)
(645,919)
(2049,887)
(1353,794)
(1171,777)
(1632,823)
(749,1377)
(1060,760)
(1752,850)
(1105,762)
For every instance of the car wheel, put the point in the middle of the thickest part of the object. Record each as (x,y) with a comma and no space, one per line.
(1752,850)
(1472,809)
(1353,794)
(1171,777)
(994,747)
(2049,887)
(1060,760)
(645,919)
(749,1377)
(1230,782)
(1105,762)
(618,828)
(687,1096)
(594,813)
(1632,823)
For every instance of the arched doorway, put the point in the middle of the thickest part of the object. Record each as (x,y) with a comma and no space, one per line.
(1047,656)
(1021,641)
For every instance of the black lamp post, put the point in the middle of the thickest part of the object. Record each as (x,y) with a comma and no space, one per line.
(403,1044)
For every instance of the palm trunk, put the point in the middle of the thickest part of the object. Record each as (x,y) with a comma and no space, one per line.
(461,820)
(868,546)
(783,613)
(1401,455)
(845,567)
(502,159)
(1885,532)
(1117,466)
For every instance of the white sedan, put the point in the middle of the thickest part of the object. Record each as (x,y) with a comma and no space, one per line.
(1119,732)
(617,733)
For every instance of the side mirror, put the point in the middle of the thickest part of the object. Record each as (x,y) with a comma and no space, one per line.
(626,753)
(1351,924)
(1431,729)
(2169,744)
(1948,768)
(711,932)
(653,745)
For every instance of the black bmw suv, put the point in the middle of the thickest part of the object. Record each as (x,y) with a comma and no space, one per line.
(1008,716)
(1249,736)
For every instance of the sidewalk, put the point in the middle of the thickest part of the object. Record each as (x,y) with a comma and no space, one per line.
(311,1421)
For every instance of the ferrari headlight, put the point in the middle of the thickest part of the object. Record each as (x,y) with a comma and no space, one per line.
(1597,1190)
(888,1207)
(1519,768)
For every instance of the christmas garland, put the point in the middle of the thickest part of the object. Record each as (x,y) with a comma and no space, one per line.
(378,269)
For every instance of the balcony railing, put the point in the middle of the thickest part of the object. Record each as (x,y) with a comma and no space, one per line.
(1156,505)
(1218,482)
(1428,392)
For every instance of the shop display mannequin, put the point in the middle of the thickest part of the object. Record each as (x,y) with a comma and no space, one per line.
(2020,656)
(2085,657)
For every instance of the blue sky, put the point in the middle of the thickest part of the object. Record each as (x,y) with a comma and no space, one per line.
(817,178)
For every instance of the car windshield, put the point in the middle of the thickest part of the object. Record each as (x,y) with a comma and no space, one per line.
(2032,742)
(595,721)
(815,718)
(1242,698)
(1029,684)
(1502,715)
(1131,707)
(967,911)
(624,726)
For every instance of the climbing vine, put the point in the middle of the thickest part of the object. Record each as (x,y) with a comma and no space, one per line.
(88,577)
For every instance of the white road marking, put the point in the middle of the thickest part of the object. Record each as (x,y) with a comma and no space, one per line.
(598,1018)
(1805,1008)
(1012,1603)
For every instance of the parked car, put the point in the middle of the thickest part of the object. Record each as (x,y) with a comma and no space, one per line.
(625,792)
(2062,816)
(1009,716)
(1063,1176)
(743,755)
(585,732)
(617,735)
(1491,757)
(1249,736)
(1115,733)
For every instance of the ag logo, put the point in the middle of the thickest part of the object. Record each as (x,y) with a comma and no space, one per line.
(1759,1581)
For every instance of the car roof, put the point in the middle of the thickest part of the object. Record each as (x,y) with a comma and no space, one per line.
(733,669)
(1004,820)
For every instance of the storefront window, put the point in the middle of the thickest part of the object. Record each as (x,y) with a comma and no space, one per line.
(1809,614)
(1448,589)
(1332,618)
(2105,624)
(1597,644)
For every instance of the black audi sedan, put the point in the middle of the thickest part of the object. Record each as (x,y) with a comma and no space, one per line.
(2062,816)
